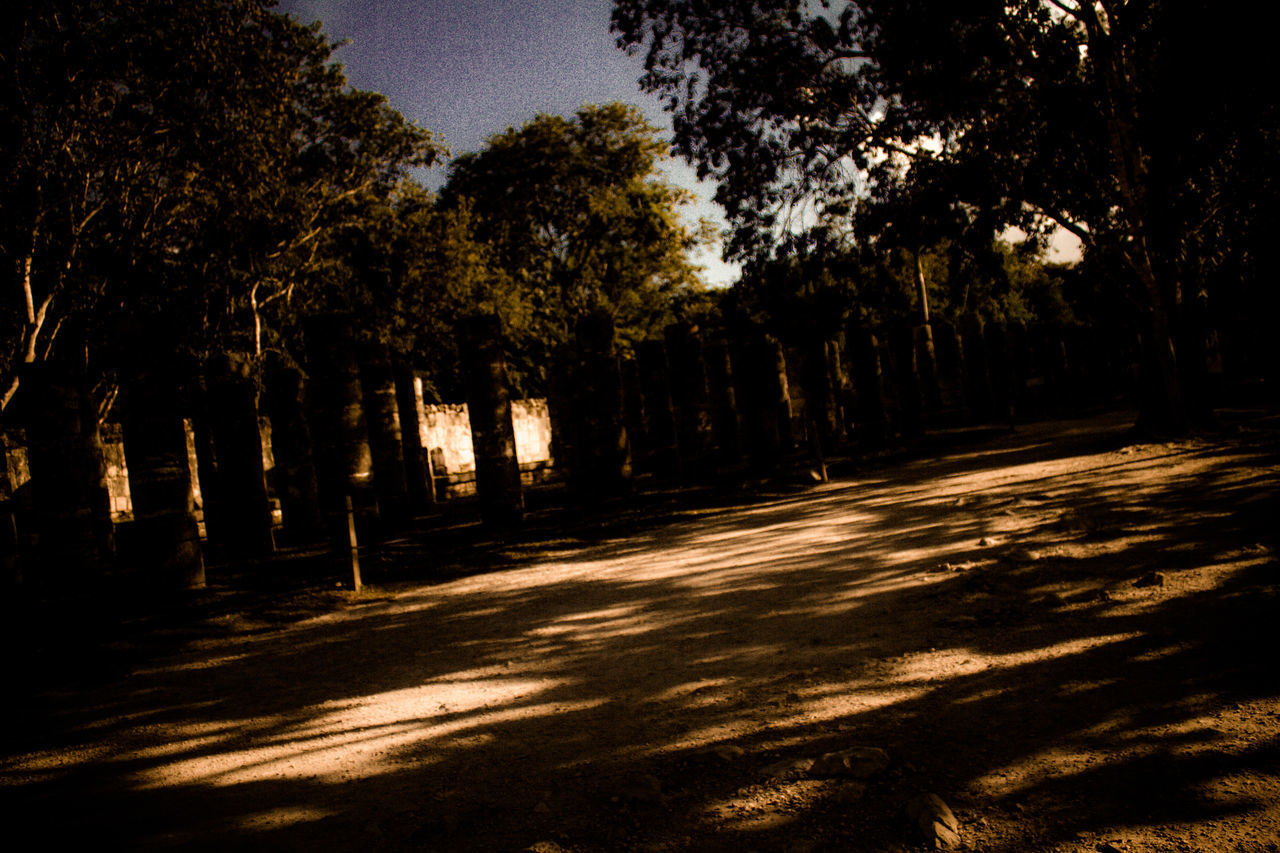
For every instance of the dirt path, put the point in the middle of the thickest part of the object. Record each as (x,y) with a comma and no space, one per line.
(1068,639)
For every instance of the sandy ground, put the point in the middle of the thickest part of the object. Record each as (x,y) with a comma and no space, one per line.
(1068,638)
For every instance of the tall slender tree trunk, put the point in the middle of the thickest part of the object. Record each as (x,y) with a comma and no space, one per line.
(821,409)
(926,358)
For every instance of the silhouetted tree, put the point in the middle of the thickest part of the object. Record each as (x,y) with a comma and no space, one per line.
(1028,113)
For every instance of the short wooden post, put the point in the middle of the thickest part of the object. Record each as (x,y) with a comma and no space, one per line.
(355,546)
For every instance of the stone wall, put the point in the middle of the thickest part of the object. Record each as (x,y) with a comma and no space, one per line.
(533,432)
(117,473)
(16,472)
(445,432)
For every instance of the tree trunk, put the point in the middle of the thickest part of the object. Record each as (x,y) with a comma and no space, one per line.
(925,358)
(492,431)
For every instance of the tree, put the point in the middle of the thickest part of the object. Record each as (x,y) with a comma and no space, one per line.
(1031,113)
(574,215)
(172,171)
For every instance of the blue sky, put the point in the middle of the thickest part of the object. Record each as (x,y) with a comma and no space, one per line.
(467,69)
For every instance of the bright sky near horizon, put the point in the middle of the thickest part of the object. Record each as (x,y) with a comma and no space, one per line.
(468,69)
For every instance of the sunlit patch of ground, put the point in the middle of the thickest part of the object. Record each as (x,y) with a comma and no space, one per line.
(1067,638)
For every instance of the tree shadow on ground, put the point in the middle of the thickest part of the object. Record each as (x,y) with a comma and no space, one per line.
(1063,638)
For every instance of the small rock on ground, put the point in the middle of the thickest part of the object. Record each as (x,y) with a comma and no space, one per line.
(935,821)
(859,762)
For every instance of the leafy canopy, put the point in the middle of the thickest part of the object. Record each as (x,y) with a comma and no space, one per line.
(577,217)
(171,174)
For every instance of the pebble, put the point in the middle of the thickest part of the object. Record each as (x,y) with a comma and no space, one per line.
(789,767)
(935,821)
(859,762)
(643,789)
(544,847)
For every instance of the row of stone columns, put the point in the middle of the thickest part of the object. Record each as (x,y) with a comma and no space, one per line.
(336,434)
(682,409)
(690,408)
(980,372)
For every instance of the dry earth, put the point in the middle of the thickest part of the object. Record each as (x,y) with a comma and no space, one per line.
(1067,637)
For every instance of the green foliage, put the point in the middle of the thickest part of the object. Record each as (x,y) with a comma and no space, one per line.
(573,213)
(175,173)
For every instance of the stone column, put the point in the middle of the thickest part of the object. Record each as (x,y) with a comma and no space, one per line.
(950,366)
(603,466)
(977,368)
(822,412)
(692,399)
(340,436)
(285,404)
(416,465)
(1002,372)
(10,575)
(868,382)
(164,521)
(492,431)
(660,417)
(70,500)
(725,420)
(906,375)
(635,417)
(382,413)
(240,479)
(761,384)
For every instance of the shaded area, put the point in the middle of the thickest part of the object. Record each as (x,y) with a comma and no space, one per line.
(1067,637)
